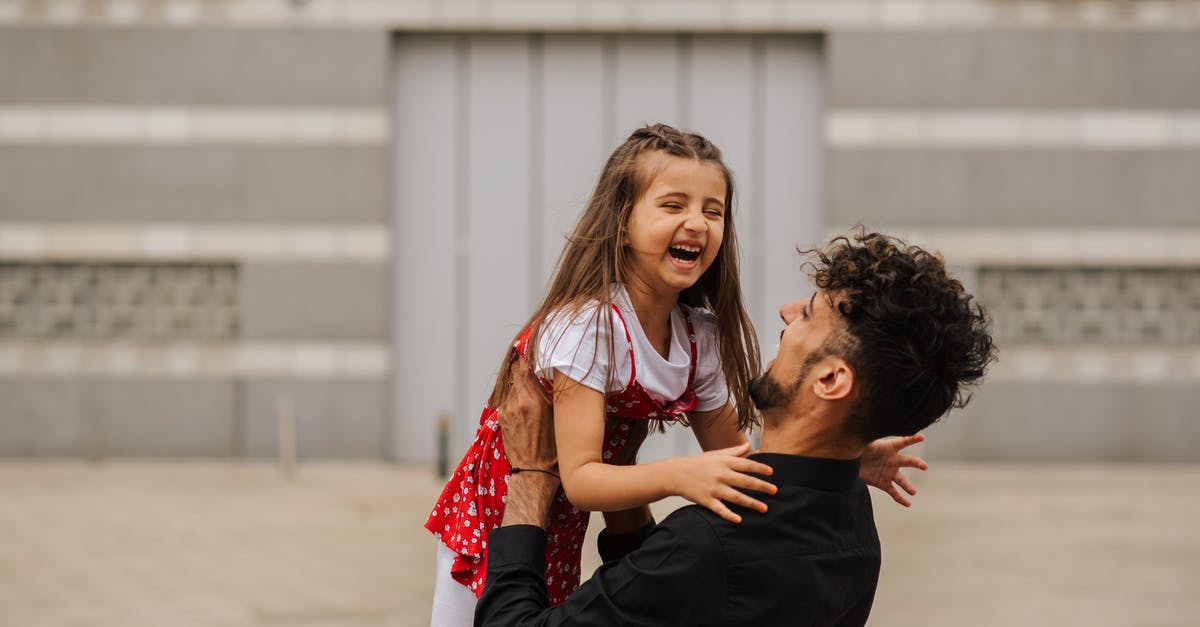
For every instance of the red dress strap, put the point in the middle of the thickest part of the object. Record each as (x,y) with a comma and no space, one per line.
(629,341)
(691,333)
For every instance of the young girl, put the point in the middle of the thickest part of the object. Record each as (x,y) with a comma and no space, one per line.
(643,321)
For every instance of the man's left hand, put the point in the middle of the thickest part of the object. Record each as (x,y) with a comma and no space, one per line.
(881,464)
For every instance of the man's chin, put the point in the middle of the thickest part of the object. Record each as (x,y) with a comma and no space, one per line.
(765,392)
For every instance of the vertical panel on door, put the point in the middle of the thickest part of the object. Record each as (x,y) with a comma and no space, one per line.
(423,236)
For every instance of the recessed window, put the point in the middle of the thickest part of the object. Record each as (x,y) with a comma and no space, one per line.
(1093,304)
(149,301)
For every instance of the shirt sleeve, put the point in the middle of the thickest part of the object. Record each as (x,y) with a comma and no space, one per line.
(577,345)
(677,577)
(711,391)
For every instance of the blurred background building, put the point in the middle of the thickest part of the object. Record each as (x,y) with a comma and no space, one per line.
(219,215)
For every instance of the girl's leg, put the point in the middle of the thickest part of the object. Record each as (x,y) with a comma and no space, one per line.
(453,603)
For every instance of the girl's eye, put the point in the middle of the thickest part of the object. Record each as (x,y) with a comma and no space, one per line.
(716,213)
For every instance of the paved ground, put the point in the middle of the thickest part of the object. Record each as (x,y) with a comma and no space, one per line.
(229,544)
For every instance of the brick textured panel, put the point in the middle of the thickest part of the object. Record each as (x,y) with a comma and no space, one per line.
(1029,69)
(195,66)
(1052,188)
(1072,422)
(1059,305)
(193,183)
(118,301)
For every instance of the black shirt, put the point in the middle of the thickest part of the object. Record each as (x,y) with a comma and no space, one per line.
(811,559)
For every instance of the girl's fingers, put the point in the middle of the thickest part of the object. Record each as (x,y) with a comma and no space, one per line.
(721,510)
(898,496)
(744,465)
(903,482)
(909,461)
(738,498)
(751,483)
(907,441)
(741,450)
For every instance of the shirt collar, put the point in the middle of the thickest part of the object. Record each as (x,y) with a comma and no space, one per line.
(819,473)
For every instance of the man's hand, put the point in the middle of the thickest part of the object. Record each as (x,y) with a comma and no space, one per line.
(527,429)
(881,464)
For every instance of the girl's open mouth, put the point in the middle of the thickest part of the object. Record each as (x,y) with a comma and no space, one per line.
(684,253)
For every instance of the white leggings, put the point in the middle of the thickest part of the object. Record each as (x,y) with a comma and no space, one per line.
(453,603)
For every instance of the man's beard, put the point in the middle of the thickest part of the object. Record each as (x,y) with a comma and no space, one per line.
(767,393)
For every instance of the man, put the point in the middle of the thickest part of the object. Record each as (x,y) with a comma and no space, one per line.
(884,347)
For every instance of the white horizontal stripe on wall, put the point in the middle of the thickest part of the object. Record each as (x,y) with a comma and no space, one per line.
(196,242)
(1073,247)
(671,15)
(188,361)
(47,123)
(1082,129)
(1096,364)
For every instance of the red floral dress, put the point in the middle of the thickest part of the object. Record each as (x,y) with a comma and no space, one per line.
(472,503)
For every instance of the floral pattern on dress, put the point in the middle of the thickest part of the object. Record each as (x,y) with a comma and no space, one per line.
(472,503)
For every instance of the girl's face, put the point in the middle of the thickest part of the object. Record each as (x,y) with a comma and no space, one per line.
(676,226)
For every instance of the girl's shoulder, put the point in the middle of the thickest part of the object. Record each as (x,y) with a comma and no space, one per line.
(704,322)
(574,314)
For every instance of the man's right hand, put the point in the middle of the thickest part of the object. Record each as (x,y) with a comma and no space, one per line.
(527,429)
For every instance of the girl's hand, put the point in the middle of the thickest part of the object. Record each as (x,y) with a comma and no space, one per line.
(710,479)
(881,464)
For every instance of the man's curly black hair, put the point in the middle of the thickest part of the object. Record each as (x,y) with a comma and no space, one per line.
(913,336)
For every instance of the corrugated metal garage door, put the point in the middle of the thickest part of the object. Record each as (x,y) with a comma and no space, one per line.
(499,139)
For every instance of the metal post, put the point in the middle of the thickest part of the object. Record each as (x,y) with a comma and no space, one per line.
(443,446)
(285,436)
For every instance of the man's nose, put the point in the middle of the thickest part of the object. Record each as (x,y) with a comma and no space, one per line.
(791,311)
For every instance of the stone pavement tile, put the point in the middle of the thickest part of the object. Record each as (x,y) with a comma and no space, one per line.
(996,544)
(221,544)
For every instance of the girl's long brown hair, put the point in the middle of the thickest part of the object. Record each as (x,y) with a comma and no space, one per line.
(596,256)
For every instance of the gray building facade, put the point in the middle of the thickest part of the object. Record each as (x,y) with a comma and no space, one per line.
(217,216)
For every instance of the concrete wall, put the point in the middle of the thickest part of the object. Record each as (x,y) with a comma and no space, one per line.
(992,143)
(247,157)
(286,138)
(501,138)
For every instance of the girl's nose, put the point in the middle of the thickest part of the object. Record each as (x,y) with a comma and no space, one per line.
(695,222)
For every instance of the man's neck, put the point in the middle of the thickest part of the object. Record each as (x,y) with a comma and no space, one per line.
(807,436)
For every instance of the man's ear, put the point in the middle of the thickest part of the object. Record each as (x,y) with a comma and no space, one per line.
(835,379)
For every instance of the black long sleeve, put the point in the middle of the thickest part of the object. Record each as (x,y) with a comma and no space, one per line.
(674,578)
(811,559)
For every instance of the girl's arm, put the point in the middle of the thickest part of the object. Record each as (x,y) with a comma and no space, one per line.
(706,479)
(717,428)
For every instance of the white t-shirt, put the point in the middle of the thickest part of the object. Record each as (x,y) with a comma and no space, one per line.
(578,347)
